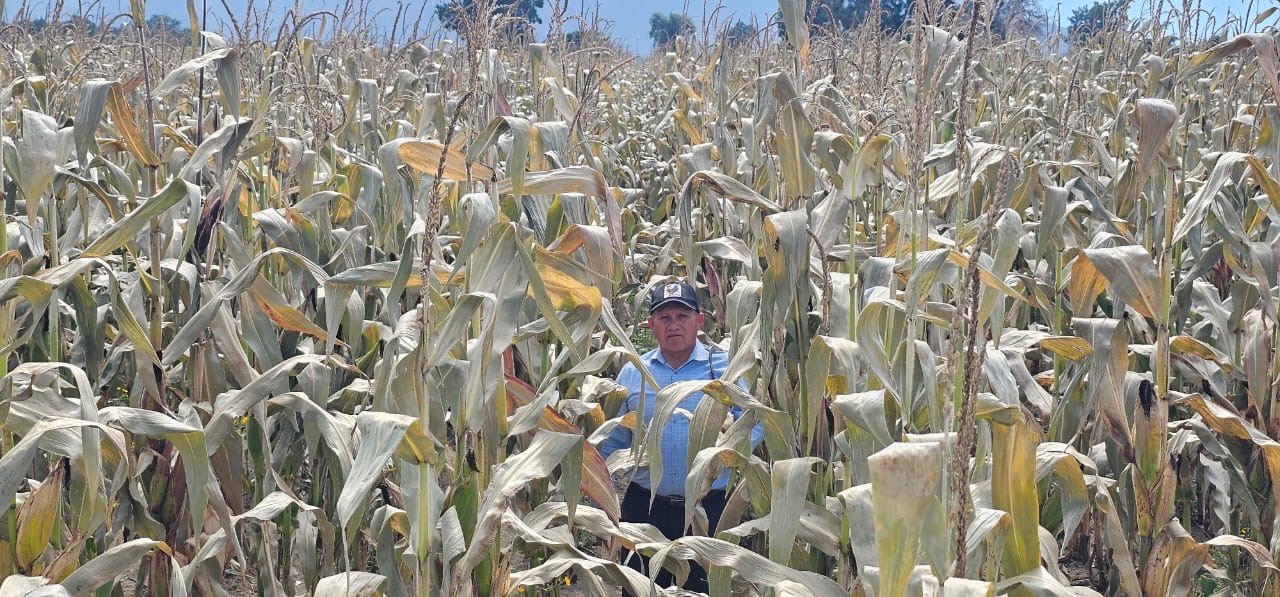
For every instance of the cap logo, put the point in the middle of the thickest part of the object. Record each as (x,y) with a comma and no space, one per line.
(672,290)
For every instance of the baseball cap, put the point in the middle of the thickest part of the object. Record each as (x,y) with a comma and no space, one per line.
(673,292)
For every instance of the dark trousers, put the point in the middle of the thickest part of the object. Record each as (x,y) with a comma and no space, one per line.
(668,515)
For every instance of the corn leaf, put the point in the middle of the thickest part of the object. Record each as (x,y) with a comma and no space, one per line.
(37,518)
(904,482)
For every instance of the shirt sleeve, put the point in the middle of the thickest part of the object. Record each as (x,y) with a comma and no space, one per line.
(621,436)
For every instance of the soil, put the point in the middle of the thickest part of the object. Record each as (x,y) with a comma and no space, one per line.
(234,583)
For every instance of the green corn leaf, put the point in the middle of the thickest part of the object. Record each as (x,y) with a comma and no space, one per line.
(42,147)
(127,229)
(380,436)
(521,131)
(537,461)
(93,99)
(794,147)
(790,485)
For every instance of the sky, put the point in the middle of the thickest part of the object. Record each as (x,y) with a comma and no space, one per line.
(628,20)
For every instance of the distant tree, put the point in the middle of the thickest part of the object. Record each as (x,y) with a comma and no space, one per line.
(76,22)
(164,25)
(663,29)
(1012,18)
(839,15)
(739,32)
(590,37)
(573,40)
(1089,21)
(524,13)
(894,13)
(81,22)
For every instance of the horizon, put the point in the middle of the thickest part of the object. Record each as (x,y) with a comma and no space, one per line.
(612,16)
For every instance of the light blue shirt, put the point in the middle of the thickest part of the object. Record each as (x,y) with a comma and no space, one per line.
(702,364)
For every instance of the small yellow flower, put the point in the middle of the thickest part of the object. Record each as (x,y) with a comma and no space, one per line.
(520,589)
(567,580)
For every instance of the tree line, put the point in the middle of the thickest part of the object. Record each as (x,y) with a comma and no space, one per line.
(157,24)
(1009,17)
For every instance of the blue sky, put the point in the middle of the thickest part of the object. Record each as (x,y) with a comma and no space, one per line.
(629,18)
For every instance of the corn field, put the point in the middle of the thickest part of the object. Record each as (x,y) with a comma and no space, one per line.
(310,311)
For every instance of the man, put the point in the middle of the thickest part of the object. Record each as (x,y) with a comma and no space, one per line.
(674,318)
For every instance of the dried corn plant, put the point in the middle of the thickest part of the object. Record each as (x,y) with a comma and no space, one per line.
(303,313)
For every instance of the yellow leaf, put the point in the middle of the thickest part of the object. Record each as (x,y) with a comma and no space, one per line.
(281,313)
(1069,347)
(1084,286)
(122,114)
(1187,345)
(565,291)
(986,276)
(1264,180)
(36,519)
(1013,489)
(178,140)
(682,118)
(1264,45)
(424,156)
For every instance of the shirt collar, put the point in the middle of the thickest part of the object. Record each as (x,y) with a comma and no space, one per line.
(700,353)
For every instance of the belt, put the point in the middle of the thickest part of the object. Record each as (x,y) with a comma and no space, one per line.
(672,500)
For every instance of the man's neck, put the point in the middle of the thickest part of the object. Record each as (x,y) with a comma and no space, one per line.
(676,361)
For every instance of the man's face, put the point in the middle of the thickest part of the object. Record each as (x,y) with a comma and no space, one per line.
(675,327)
